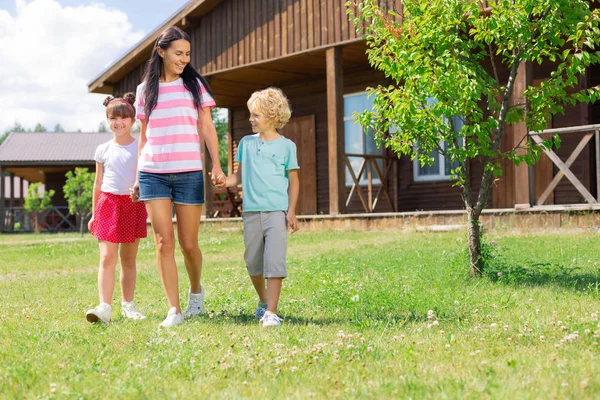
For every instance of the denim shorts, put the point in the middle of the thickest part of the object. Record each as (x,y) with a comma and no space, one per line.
(180,187)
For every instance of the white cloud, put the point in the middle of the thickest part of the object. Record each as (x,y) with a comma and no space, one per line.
(48,54)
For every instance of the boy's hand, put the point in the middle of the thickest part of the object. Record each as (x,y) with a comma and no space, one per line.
(292,222)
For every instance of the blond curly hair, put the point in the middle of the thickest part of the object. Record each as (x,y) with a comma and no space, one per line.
(272,104)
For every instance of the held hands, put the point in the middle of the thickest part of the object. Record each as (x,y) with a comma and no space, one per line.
(292,222)
(217,177)
(134,192)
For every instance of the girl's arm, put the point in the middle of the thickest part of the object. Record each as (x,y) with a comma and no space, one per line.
(96,190)
(134,191)
(206,128)
(293,192)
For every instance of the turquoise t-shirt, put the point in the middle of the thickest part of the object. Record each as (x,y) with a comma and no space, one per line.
(264,172)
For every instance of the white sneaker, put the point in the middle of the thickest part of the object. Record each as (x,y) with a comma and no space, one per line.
(129,310)
(270,319)
(172,318)
(260,311)
(195,304)
(99,314)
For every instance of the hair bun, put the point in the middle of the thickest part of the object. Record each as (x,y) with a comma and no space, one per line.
(129,97)
(108,100)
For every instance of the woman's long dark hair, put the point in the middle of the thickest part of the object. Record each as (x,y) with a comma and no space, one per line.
(154,68)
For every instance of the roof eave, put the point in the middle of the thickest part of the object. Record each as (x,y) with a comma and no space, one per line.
(141,51)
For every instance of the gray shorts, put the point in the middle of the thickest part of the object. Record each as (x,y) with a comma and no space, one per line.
(265,237)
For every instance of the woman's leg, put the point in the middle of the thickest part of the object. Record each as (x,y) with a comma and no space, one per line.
(128,254)
(188,224)
(159,212)
(106,270)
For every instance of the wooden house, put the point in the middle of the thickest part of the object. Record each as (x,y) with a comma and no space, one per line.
(311,50)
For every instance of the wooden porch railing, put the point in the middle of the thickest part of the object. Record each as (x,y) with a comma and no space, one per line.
(563,167)
(369,165)
(53,220)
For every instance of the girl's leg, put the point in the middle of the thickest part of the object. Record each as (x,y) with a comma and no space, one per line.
(159,212)
(188,224)
(106,270)
(259,285)
(273,293)
(128,254)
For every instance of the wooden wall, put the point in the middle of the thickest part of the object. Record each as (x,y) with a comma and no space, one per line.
(241,32)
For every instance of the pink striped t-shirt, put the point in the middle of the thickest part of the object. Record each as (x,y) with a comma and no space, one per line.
(173,143)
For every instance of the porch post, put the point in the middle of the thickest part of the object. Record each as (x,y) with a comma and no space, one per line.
(229,141)
(335,130)
(521,178)
(2,211)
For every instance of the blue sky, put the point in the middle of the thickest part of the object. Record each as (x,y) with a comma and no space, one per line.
(51,49)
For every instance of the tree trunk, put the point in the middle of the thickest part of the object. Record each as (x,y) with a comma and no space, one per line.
(474,233)
(81,221)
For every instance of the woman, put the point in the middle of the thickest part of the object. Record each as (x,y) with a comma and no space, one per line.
(174,104)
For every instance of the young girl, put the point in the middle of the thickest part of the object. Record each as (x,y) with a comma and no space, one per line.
(116,220)
(270,192)
(174,104)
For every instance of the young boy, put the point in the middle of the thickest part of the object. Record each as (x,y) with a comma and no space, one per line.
(270,170)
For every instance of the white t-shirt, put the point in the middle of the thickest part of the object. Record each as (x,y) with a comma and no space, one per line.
(119,166)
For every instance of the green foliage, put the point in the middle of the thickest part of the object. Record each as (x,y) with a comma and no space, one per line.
(40,128)
(222,128)
(450,51)
(58,128)
(102,127)
(34,202)
(79,190)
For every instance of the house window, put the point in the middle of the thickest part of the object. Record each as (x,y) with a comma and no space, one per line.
(441,167)
(357,141)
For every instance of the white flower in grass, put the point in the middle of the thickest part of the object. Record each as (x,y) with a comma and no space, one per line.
(355,298)
(493,326)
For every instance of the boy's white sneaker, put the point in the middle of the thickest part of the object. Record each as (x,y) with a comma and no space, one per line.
(270,319)
(172,318)
(99,314)
(129,310)
(195,304)
(260,311)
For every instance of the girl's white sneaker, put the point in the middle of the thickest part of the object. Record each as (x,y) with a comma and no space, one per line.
(270,319)
(172,318)
(129,310)
(99,314)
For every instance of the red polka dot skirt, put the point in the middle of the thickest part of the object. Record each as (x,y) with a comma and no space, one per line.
(117,219)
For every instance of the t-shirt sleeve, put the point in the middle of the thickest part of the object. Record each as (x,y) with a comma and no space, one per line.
(139,103)
(206,100)
(291,160)
(99,155)
(238,153)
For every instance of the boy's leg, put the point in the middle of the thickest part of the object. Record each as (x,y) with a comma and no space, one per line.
(188,224)
(259,285)
(159,212)
(273,293)
(275,228)
(128,253)
(253,255)
(106,270)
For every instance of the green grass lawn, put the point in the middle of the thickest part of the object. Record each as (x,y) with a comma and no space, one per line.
(356,324)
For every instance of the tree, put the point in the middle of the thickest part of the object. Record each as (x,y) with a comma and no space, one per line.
(40,128)
(455,60)
(79,189)
(222,128)
(17,127)
(58,128)
(36,204)
(102,127)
